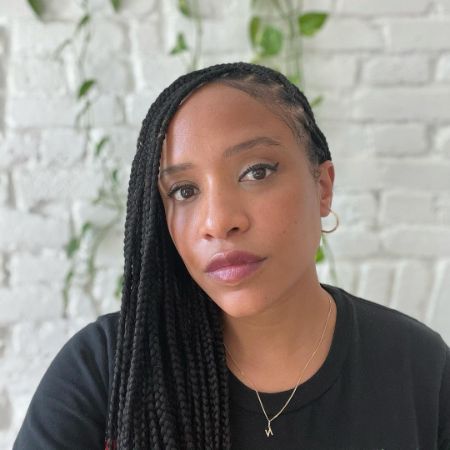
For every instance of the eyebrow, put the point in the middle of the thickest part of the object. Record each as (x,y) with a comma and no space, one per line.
(228,152)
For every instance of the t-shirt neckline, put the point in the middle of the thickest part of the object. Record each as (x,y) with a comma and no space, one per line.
(246,398)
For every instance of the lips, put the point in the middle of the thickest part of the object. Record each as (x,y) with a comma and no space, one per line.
(231,258)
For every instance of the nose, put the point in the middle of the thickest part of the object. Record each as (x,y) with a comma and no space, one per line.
(223,213)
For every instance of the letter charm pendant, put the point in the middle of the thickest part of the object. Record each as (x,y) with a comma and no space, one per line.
(269,430)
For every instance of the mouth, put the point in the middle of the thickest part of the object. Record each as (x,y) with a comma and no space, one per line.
(235,273)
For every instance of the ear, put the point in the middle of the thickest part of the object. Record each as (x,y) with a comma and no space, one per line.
(325,182)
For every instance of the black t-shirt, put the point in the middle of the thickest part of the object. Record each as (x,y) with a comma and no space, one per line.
(385,384)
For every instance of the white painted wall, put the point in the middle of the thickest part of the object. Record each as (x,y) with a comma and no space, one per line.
(384,69)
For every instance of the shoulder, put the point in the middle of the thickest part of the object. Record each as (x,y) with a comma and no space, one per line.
(395,332)
(69,406)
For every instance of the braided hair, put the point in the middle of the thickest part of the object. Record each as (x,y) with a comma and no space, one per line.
(170,382)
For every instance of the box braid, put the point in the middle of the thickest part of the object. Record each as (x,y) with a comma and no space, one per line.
(170,379)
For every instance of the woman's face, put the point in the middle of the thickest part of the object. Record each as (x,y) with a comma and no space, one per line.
(272,211)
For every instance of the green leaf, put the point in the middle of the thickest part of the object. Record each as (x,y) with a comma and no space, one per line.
(37,6)
(69,276)
(271,41)
(119,285)
(254,27)
(72,246)
(184,8)
(320,255)
(116,4)
(294,79)
(100,144)
(61,47)
(316,101)
(114,175)
(83,22)
(310,23)
(180,45)
(85,87)
(86,226)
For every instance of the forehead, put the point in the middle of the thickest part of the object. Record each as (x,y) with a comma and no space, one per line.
(216,114)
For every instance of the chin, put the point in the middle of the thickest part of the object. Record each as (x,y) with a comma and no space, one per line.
(240,307)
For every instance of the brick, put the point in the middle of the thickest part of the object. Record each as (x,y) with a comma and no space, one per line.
(345,274)
(48,184)
(61,147)
(443,209)
(108,110)
(415,104)
(113,75)
(391,70)
(353,243)
(443,68)
(35,38)
(5,410)
(225,34)
(399,139)
(121,145)
(406,207)
(62,10)
(339,34)
(345,140)
(354,209)
(4,188)
(137,7)
(442,141)
(411,289)
(137,106)
(27,231)
(31,111)
(444,5)
(159,70)
(44,337)
(81,305)
(15,10)
(418,34)
(5,333)
(357,175)
(29,303)
(417,174)
(439,311)
(2,282)
(337,71)
(416,242)
(375,281)
(87,212)
(335,107)
(26,268)
(110,37)
(146,35)
(104,287)
(37,75)
(18,147)
(382,7)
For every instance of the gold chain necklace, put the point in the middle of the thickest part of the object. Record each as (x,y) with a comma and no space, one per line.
(268,430)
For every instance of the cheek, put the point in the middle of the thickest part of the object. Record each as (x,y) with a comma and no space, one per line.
(180,226)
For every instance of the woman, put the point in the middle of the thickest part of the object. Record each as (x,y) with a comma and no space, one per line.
(226,338)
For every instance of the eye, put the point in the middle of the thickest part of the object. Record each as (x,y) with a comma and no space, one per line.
(184,192)
(259,170)
(183,189)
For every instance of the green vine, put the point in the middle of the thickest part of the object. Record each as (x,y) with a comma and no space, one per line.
(276,31)
(190,54)
(276,36)
(82,268)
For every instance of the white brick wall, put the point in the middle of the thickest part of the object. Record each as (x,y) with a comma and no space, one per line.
(383,68)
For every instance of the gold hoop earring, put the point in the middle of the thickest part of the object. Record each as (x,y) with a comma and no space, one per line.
(337,223)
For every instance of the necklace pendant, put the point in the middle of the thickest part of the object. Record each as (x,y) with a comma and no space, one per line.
(269,431)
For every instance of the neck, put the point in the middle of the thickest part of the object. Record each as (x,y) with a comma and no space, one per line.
(282,336)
